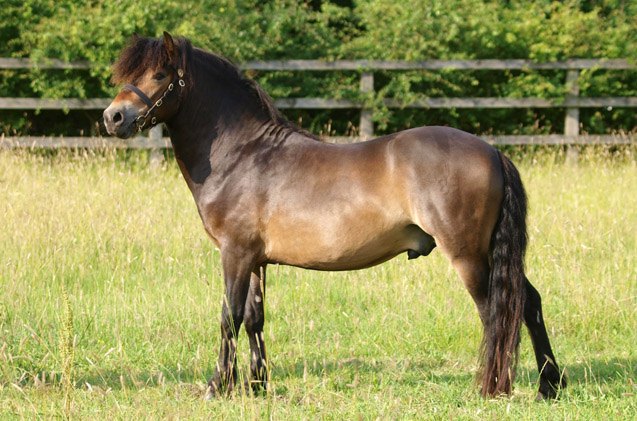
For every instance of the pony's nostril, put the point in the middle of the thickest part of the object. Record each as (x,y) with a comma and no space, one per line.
(117,117)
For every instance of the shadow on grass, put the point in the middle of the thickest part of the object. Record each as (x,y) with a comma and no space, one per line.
(342,373)
(364,366)
(347,373)
(618,375)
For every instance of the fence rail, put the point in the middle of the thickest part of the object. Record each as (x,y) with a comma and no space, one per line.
(571,103)
(321,65)
(161,142)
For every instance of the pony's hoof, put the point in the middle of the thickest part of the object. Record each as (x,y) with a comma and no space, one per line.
(215,390)
(550,391)
(211,393)
(546,394)
(257,387)
(219,387)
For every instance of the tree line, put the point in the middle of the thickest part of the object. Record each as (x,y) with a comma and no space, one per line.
(245,30)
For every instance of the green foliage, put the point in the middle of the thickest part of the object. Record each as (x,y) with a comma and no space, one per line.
(320,29)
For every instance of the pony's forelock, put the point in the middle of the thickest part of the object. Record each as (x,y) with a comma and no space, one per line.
(141,54)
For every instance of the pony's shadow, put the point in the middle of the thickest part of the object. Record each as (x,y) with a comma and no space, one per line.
(404,372)
(407,372)
(327,367)
(600,371)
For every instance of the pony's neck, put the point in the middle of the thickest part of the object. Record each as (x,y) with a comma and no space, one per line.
(217,116)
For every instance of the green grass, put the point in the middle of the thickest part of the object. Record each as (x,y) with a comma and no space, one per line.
(396,341)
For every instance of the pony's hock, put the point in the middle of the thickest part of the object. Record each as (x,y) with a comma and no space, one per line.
(268,192)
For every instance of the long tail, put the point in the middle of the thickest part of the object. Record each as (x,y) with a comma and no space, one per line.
(506,287)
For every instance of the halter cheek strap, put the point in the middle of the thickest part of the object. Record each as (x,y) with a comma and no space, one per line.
(139,93)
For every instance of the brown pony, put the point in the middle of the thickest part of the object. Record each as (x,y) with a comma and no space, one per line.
(268,192)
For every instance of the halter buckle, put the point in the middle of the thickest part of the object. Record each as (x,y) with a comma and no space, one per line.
(182,83)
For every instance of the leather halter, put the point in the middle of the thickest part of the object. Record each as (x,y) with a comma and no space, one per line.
(140,121)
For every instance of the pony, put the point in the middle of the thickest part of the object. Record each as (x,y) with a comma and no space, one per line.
(270,193)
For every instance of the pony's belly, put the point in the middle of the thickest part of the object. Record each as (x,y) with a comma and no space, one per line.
(355,248)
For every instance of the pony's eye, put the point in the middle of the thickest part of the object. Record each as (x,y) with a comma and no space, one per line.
(159,75)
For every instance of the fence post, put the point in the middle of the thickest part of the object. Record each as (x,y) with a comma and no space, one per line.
(366,125)
(571,122)
(156,156)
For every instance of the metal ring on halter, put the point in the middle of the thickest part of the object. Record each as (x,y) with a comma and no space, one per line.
(141,118)
(182,83)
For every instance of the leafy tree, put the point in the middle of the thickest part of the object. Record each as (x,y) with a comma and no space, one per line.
(243,30)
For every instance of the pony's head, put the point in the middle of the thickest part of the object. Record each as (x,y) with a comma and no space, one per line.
(153,74)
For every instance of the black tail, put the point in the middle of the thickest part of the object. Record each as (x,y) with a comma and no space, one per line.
(506,287)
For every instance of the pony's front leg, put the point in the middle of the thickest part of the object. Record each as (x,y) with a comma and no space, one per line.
(253,320)
(237,269)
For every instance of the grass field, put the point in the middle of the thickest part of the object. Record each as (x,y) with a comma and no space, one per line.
(142,282)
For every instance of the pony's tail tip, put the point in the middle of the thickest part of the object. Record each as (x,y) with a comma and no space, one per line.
(494,393)
(491,388)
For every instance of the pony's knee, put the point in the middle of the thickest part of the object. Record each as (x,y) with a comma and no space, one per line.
(253,321)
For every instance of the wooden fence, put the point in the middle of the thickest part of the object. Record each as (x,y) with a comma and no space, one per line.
(572,103)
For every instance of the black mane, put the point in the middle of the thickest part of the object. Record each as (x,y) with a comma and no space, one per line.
(231,72)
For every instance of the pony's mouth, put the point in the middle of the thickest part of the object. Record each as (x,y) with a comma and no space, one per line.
(123,131)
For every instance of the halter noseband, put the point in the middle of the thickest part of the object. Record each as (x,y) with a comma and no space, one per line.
(140,121)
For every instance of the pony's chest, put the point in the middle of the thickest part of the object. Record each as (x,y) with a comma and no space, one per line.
(228,222)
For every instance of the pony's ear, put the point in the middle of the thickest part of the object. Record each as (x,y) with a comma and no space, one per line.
(171,49)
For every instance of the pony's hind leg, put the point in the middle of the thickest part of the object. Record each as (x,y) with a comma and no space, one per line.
(253,320)
(551,380)
(474,272)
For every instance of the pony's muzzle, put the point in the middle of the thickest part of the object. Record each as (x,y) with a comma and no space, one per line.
(113,119)
(119,121)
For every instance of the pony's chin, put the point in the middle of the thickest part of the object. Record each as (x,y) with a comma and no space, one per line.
(124,132)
